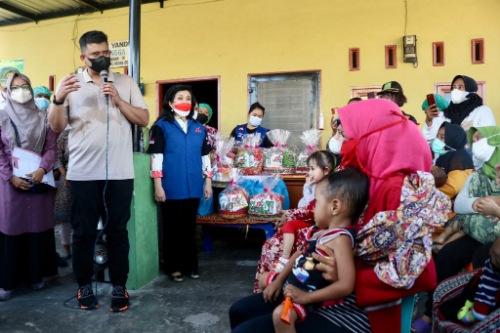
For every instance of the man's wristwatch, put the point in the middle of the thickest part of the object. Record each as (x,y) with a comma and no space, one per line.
(56,102)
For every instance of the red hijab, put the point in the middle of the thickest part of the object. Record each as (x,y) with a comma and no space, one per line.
(386,146)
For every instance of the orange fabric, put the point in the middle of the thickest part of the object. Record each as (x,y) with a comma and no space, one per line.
(455,181)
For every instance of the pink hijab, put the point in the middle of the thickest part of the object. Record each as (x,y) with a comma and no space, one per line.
(393,146)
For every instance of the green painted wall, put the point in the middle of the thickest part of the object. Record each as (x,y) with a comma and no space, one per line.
(143,227)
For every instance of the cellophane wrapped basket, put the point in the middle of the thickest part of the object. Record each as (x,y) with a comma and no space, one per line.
(267,203)
(233,201)
(249,158)
(223,163)
(310,139)
(279,159)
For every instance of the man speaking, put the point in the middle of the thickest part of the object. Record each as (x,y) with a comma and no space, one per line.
(98,107)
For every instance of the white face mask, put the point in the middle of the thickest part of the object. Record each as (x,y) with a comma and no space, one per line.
(21,95)
(195,115)
(180,113)
(335,144)
(255,121)
(481,152)
(458,96)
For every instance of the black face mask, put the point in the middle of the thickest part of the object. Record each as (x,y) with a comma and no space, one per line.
(100,63)
(202,118)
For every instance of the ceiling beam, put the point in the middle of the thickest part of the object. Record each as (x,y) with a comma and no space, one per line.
(68,12)
(18,11)
(92,3)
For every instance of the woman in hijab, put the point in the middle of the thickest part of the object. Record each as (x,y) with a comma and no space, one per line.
(453,159)
(465,109)
(204,116)
(477,227)
(394,236)
(482,184)
(27,243)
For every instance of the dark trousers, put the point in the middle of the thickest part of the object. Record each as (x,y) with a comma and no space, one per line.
(87,208)
(251,314)
(27,258)
(453,257)
(180,252)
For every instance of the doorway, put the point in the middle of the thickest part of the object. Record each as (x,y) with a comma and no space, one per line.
(206,90)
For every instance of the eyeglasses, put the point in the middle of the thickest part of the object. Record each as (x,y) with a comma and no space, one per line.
(24,86)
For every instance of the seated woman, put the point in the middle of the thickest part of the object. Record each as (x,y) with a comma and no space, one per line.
(255,115)
(390,149)
(478,228)
(484,301)
(457,165)
(480,185)
(465,109)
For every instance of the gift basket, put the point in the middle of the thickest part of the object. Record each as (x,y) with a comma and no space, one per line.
(223,162)
(279,159)
(310,139)
(233,201)
(267,203)
(249,158)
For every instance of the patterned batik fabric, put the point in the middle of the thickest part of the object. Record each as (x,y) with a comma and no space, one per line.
(448,291)
(399,242)
(481,227)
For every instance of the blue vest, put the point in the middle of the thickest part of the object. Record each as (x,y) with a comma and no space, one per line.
(241,130)
(182,167)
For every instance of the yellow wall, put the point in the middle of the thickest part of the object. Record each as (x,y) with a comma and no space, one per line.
(232,38)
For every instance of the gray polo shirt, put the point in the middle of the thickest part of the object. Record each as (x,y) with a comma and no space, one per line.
(87,130)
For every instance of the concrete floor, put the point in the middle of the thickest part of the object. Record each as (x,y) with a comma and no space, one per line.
(162,306)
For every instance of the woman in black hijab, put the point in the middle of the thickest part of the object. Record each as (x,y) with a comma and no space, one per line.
(457,158)
(466,107)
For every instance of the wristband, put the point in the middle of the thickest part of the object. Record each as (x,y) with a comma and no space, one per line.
(56,102)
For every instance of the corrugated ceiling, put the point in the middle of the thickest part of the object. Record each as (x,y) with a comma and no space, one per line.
(23,11)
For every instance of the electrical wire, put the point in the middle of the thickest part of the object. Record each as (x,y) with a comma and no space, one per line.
(406,17)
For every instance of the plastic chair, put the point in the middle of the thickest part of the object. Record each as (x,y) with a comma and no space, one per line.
(407,305)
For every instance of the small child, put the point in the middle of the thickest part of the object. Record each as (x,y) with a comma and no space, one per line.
(321,163)
(340,200)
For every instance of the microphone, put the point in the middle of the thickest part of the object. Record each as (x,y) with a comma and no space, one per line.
(104,77)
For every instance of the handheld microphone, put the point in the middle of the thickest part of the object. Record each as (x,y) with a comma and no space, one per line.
(104,77)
